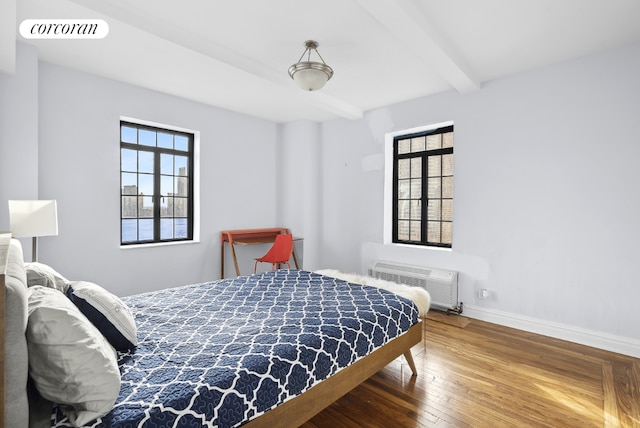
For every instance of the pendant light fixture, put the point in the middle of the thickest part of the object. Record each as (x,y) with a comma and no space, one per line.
(310,75)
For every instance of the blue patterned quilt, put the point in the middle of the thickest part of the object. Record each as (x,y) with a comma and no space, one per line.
(224,352)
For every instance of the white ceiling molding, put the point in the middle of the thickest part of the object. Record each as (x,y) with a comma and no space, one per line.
(143,20)
(8,36)
(410,26)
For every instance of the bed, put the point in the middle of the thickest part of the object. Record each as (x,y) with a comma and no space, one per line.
(271,349)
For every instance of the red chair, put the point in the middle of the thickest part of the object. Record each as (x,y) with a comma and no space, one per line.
(279,253)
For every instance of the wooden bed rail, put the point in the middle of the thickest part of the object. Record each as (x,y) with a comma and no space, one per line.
(300,409)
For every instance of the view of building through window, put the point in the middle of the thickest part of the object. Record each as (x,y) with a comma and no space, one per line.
(423,188)
(156,184)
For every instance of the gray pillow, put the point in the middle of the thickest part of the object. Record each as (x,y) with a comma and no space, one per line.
(41,274)
(70,361)
(107,312)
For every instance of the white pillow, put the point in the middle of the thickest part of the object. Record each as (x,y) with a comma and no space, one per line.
(107,312)
(70,361)
(45,275)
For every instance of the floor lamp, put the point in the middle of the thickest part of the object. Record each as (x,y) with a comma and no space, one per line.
(33,218)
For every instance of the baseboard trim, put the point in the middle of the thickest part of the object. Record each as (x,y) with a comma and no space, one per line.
(595,339)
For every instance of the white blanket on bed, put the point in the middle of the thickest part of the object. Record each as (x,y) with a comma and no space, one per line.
(418,295)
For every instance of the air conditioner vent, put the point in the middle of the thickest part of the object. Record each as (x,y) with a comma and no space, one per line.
(441,284)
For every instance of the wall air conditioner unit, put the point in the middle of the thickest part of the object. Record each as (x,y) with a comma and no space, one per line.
(441,284)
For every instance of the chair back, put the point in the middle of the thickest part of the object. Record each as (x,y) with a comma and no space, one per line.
(280,251)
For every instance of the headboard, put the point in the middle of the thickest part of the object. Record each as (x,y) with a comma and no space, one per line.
(13,324)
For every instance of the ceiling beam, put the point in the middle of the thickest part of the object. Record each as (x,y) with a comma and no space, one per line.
(408,24)
(189,40)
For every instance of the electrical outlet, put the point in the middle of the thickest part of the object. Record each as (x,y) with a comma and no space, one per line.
(484,294)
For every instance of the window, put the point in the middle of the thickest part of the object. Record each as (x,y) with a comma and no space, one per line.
(156,184)
(423,188)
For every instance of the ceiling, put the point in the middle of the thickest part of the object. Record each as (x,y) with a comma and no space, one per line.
(234,54)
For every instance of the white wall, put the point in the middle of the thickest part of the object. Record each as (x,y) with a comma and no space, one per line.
(19,135)
(546,210)
(79,166)
(8,37)
(299,188)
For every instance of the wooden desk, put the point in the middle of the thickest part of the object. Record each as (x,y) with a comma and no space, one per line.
(250,237)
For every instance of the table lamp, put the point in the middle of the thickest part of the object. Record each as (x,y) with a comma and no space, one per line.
(33,218)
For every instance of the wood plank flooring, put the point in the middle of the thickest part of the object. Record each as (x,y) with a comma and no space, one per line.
(486,375)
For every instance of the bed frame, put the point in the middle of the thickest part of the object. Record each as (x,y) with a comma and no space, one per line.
(292,413)
(4,253)
(300,409)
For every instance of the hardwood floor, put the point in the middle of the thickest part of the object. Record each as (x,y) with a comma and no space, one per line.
(486,375)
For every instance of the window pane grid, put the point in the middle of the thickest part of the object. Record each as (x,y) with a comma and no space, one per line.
(156,189)
(433,190)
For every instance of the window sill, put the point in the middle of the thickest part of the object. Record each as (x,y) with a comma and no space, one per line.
(419,247)
(158,244)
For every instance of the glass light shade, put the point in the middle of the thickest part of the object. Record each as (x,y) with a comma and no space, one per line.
(309,75)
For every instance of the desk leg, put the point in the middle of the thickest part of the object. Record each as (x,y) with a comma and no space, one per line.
(235,260)
(295,259)
(222,261)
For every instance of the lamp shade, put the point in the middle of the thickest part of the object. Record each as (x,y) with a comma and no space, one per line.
(309,75)
(33,218)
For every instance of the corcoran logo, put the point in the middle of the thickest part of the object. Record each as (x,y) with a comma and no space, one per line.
(64,29)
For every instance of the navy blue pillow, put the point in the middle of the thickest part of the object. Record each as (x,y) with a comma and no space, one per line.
(107,312)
